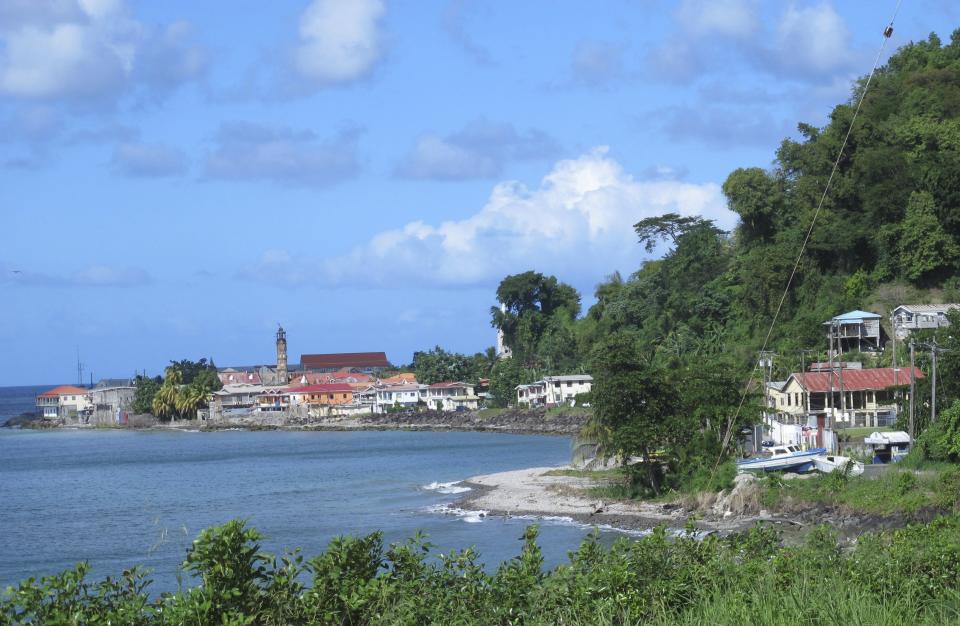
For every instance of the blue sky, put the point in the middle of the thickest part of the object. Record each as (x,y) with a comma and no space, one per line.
(178,177)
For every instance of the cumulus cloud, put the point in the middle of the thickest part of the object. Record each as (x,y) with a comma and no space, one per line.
(480,150)
(145,160)
(808,42)
(246,151)
(812,41)
(577,223)
(340,41)
(89,49)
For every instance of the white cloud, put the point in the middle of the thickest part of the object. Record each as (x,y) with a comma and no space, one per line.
(728,18)
(247,151)
(339,41)
(578,223)
(804,42)
(813,40)
(87,49)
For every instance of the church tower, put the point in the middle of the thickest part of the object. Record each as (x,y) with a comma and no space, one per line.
(281,356)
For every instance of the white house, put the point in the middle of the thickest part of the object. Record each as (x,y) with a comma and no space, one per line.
(554,390)
(534,394)
(65,401)
(910,317)
(855,330)
(564,389)
(451,396)
(404,396)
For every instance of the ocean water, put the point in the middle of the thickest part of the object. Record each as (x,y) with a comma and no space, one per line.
(118,498)
(15,401)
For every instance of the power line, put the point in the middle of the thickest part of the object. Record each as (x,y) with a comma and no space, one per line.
(887,32)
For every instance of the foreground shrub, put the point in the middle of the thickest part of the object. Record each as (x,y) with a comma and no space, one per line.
(910,576)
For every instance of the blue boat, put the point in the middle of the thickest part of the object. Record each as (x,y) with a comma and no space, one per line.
(782,458)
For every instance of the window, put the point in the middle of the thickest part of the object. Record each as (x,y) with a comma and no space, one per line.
(569,384)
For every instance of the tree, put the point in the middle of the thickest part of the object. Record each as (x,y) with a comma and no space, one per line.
(926,250)
(438,365)
(530,300)
(145,389)
(638,406)
(669,225)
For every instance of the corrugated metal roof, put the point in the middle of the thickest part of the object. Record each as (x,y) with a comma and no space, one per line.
(344,360)
(852,316)
(928,308)
(855,380)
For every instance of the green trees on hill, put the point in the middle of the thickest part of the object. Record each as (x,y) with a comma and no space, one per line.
(892,215)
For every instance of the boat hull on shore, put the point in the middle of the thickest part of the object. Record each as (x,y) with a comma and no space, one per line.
(789,461)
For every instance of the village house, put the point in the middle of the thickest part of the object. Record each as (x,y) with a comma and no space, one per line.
(858,331)
(400,396)
(234,398)
(851,398)
(323,394)
(910,317)
(233,376)
(564,389)
(64,402)
(111,400)
(532,394)
(452,396)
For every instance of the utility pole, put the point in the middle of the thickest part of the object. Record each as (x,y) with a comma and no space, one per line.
(933,381)
(913,388)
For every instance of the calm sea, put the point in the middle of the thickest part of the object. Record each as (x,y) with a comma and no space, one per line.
(15,401)
(118,498)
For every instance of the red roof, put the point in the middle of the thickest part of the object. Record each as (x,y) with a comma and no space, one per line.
(447,385)
(856,380)
(63,390)
(344,360)
(328,388)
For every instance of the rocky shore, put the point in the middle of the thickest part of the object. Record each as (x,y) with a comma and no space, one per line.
(518,421)
(541,493)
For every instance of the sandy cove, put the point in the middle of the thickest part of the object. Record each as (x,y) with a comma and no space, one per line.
(532,493)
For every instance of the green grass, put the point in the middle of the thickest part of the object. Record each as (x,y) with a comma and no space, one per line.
(570,410)
(859,433)
(898,490)
(491,412)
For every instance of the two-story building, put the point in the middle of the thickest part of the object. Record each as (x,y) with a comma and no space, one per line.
(554,390)
(400,396)
(65,402)
(452,396)
(861,397)
(858,331)
(564,389)
(112,399)
(910,317)
(322,394)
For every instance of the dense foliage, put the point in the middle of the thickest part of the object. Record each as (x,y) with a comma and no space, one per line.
(180,393)
(910,576)
(438,365)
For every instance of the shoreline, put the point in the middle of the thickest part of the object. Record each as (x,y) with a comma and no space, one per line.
(530,493)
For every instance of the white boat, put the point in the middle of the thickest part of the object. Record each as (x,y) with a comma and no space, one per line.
(833,462)
(786,458)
